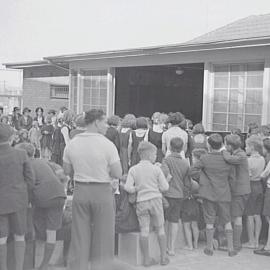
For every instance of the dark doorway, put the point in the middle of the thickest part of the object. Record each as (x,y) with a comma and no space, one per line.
(145,90)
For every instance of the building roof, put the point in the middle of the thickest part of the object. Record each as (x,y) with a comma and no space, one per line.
(251,27)
(250,31)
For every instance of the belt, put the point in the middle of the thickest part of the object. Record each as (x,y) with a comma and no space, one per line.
(91,183)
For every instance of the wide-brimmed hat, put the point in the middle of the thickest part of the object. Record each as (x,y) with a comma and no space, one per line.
(5,132)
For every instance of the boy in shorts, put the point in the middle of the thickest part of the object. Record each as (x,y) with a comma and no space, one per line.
(241,187)
(48,202)
(15,177)
(255,201)
(148,181)
(215,176)
(178,168)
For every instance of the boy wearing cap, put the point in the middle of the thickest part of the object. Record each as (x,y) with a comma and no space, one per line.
(15,176)
(25,121)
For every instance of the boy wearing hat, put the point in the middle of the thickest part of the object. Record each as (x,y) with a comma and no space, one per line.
(15,176)
(25,121)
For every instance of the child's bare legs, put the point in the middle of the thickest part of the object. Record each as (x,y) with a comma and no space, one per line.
(48,250)
(237,232)
(267,246)
(258,227)
(195,232)
(250,231)
(188,235)
(172,235)
(209,239)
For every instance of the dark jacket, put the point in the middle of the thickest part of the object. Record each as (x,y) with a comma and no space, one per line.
(25,124)
(178,167)
(215,177)
(16,175)
(241,186)
(113,135)
(47,185)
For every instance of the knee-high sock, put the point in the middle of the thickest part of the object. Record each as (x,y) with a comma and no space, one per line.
(237,232)
(3,257)
(19,250)
(162,246)
(48,251)
(229,236)
(209,238)
(144,242)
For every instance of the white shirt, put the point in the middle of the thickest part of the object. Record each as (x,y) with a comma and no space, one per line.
(91,155)
(173,132)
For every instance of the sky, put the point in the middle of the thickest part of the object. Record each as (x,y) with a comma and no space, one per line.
(32,29)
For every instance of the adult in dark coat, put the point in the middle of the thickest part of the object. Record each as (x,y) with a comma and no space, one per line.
(25,121)
(16,176)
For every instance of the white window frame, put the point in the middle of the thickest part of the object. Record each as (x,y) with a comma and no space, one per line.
(209,90)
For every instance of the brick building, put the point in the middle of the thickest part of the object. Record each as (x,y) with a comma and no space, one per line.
(221,78)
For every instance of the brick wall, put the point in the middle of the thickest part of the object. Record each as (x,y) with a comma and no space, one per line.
(37,94)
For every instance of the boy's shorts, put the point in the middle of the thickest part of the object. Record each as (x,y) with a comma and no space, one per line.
(211,210)
(190,211)
(15,223)
(173,212)
(150,211)
(238,205)
(254,204)
(48,215)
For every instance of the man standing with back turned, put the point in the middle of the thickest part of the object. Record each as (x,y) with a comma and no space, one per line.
(95,162)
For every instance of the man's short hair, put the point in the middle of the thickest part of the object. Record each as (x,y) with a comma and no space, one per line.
(215,141)
(176,145)
(256,142)
(266,144)
(233,140)
(28,147)
(198,152)
(145,148)
(93,115)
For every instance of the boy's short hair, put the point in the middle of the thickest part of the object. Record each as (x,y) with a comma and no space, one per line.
(266,144)
(176,145)
(145,148)
(176,118)
(215,141)
(198,129)
(79,121)
(265,130)
(198,152)
(28,147)
(256,142)
(233,140)
(141,122)
(114,120)
(93,115)
(129,121)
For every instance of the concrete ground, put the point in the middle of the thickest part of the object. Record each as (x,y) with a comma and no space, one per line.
(196,260)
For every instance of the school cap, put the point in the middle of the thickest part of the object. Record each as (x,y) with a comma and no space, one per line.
(5,132)
(16,109)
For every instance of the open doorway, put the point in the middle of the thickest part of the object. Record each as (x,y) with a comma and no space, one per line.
(145,90)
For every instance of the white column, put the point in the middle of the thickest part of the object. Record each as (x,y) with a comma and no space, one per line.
(110,91)
(266,93)
(79,92)
(70,92)
(207,98)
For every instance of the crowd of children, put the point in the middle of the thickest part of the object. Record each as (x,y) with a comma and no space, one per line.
(174,171)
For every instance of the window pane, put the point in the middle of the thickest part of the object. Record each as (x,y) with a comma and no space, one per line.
(221,95)
(221,69)
(255,68)
(255,81)
(221,82)
(217,127)
(219,118)
(237,70)
(254,96)
(236,108)
(252,118)
(253,108)
(235,120)
(220,107)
